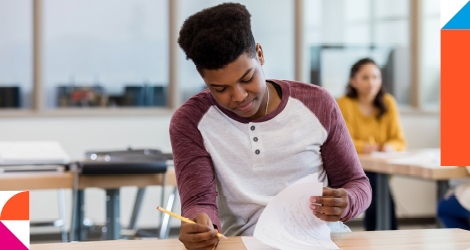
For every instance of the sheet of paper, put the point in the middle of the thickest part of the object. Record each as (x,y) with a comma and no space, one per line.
(251,243)
(426,158)
(388,155)
(32,152)
(288,223)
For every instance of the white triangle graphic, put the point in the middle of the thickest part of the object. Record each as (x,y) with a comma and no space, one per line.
(449,8)
(20,228)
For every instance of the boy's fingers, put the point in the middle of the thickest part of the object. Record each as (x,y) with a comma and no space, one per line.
(202,237)
(195,228)
(325,217)
(327,210)
(208,244)
(204,219)
(331,202)
(335,192)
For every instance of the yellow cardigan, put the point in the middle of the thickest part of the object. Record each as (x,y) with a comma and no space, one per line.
(362,127)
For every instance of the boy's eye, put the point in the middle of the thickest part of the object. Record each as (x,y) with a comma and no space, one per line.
(220,90)
(249,80)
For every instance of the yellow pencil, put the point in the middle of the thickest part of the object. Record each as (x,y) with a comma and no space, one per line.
(186,220)
(371,140)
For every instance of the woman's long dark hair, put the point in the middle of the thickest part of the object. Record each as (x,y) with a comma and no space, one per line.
(352,92)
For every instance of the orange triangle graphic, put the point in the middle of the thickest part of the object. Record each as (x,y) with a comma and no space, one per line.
(16,208)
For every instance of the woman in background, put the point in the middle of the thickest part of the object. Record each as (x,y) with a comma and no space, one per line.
(372,118)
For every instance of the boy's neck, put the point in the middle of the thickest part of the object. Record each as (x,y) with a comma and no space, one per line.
(274,101)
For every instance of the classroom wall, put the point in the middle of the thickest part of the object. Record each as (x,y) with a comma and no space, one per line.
(78,134)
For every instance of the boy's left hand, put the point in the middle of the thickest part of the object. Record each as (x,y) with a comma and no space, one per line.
(333,203)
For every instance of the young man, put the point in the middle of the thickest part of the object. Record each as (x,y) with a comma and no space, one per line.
(244,139)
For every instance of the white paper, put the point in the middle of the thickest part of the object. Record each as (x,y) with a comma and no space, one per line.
(32,152)
(251,243)
(388,155)
(288,223)
(426,158)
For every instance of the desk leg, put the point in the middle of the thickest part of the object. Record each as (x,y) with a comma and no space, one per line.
(383,212)
(136,211)
(113,225)
(63,228)
(165,225)
(442,187)
(79,230)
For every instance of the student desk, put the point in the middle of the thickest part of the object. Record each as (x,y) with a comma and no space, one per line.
(65,180)
(383,168)
(37,181)
(448,239)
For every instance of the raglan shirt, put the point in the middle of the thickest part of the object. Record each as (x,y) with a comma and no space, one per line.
(230,167)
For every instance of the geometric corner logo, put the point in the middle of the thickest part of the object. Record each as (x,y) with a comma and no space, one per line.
(454,14)
(455,82)
(14,220)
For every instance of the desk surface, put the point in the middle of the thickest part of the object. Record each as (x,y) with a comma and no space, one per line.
(402,239)
(379,165)
(34,181)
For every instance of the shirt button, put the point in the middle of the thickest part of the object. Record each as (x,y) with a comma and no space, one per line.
(255,139)
(257,152)
(252,128)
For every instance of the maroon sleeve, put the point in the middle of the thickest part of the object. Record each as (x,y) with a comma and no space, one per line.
(339,155)
(341,161)
(193,165)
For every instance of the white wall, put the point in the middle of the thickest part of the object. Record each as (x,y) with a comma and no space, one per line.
(414,197)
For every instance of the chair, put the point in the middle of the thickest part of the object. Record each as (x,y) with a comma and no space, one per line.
(146,161)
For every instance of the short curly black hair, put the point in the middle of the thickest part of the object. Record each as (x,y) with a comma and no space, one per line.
(217,36)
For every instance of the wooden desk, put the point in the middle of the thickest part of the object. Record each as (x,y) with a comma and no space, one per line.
(383,168)
(35,181)
(378,165)
(111,183)
(448,239)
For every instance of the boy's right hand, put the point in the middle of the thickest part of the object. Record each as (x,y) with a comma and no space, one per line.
(201,235)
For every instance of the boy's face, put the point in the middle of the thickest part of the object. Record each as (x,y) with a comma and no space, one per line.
(240,86)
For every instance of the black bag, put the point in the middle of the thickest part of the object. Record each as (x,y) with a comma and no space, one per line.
(142,161)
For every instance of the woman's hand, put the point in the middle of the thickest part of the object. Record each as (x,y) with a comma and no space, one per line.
(201,235)
(369,148)
(387,148)
(331,205)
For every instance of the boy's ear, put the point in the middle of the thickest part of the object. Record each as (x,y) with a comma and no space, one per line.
(259,53)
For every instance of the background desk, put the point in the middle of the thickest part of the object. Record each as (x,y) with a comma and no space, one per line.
(383,168)
(378,165)
(448,239)
(36,181)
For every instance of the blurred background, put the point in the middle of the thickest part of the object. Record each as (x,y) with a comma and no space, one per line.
(107,74)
